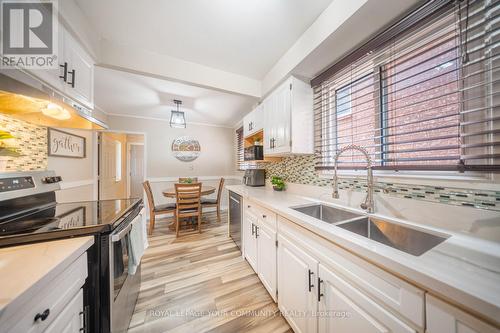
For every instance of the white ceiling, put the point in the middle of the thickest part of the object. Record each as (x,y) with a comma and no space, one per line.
(123,93)
(245,37)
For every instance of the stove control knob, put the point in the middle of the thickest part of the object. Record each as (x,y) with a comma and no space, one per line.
(51,180)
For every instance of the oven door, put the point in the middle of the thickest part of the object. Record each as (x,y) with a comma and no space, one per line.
(124,288)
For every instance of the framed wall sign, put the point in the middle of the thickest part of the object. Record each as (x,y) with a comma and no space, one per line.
(186,149)
(65,144)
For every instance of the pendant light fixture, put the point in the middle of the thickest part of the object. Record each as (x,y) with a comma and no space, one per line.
(177,119)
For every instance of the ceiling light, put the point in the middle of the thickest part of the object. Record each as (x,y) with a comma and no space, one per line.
(55,111)
(177,119)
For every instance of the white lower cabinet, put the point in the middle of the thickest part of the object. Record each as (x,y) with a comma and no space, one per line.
(297,283)
(266,257)
(344,309)
(259,244)
(57,307)
(445,318)
(71,318)
(323,288)
(250,240)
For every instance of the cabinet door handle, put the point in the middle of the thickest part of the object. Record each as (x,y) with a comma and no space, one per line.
(72,83)
(42,316)
(319,289)
(253,229)
(248,206)
(264,216)
(311,285)
(256,231)
(65,74)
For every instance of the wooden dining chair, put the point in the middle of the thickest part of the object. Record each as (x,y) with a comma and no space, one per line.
(156,209)
(214,202)
(185,180)
(188,204)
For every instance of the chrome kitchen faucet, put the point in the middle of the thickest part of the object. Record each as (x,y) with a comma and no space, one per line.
(368,204)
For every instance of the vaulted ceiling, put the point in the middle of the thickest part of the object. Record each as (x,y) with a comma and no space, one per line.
(238,36)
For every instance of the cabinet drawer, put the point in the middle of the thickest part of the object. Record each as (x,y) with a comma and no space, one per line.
(264,215)
(70,319)
(396,294)
(445,318)
(54,297)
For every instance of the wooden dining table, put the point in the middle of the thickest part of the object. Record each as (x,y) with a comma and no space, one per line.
(170,193)
(205,190)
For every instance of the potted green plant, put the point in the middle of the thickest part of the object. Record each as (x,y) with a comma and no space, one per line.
(7,151)
(278,183)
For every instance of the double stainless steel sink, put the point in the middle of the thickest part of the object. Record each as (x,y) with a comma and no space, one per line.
(395,235)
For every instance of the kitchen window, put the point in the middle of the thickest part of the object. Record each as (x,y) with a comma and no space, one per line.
(240,160)
(343,101)
(428,99)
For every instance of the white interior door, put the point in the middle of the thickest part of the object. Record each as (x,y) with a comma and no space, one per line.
(136,170)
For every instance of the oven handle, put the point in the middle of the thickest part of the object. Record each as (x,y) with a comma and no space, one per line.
(118,236)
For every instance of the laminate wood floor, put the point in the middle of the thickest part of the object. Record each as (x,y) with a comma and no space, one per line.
(200,283)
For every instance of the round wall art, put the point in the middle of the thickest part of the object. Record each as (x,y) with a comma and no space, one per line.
(186,149)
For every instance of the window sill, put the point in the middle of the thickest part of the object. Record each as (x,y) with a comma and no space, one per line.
(447,179)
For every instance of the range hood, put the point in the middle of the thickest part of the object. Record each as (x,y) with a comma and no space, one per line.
(24,97)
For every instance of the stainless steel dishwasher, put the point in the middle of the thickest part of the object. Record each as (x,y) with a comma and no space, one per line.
(235,218)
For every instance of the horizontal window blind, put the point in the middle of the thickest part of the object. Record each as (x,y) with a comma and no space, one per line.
(428,99)
(240,162)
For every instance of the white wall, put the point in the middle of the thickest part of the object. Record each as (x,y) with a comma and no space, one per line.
(217,158)
(77,173)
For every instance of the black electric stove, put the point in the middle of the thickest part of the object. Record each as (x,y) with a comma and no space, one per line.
(59,220)
(29,213)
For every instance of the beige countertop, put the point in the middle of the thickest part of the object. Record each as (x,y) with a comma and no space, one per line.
(462,269)
(25,269)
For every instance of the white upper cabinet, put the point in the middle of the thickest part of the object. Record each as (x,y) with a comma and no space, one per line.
(74,76)
(253,122)
(288,119)
(80,75)
(54,77)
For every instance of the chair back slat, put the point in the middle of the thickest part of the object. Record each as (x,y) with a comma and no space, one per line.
(149,194)
(219,191)
(188,196)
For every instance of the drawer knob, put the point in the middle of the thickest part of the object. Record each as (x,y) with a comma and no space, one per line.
(264,216)
(42,316)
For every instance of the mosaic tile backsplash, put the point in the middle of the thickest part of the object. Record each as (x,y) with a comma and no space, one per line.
(31,140)
(300,170)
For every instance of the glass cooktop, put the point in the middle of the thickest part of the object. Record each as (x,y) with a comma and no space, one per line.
(86,216)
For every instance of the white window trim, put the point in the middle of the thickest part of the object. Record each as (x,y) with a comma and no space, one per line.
(469,179)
